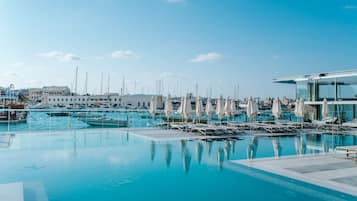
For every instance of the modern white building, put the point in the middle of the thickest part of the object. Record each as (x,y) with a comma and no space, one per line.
(338,88)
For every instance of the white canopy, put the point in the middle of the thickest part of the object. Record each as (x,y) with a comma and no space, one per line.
(301,108)
(252,108)
(153,106)
(219,108)
(180,109)
(199,107)
(227,108)
(233,107)
(209,107)
(187,108)
(296,107)
(168,106)
(324,109)
(276,109)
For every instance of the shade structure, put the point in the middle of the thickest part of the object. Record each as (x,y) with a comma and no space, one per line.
(227,108)
(199,107)
(233,107)
(187,108)
(209,107)
(168,106)
(276,109)
(324,109)
(252,108)
(153,106)
(180,108)
(301,109)
(296,107)
(220,108)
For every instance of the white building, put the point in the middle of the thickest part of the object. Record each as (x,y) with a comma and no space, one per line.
(139,101)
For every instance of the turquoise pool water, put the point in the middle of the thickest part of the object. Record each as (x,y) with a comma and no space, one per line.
(39,120)
(110,165)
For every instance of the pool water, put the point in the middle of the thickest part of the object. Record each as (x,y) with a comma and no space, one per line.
(111,164)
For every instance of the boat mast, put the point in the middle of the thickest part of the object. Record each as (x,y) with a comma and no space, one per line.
(101,84)
(76,81)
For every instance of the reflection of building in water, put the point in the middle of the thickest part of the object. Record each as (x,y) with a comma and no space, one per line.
(220,158)
(199,151)
(168,154)
(276,147)
(153,150)
(252,148)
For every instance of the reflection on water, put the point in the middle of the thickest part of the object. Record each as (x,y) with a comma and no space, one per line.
(252,148)
(186,160)
(168,155)
(276,147)
(152,150)
(199,152)
(300,145)
(220,158)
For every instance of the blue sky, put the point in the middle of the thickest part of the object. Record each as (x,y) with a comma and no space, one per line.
(215,43)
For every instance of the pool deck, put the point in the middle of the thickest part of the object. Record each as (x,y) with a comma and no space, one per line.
(332,171)
(12,192)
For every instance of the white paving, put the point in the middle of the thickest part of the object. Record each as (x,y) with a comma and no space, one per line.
(332,171)
(12,192)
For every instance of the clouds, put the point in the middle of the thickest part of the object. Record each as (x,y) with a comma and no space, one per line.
(120,54)
(60,56)
(209,57)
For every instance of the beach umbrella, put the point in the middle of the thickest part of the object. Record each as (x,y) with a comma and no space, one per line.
(252,108)
(209,107)
(220,108)
(168,106)
(276,147)
(296,108)
(180,108)
(276,109)
(153,106)
(187,108)
(199,107)
(324,109)
(301,108)
(227,108)
(233,107)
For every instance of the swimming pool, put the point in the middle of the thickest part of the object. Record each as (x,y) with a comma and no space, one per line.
(111,164)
